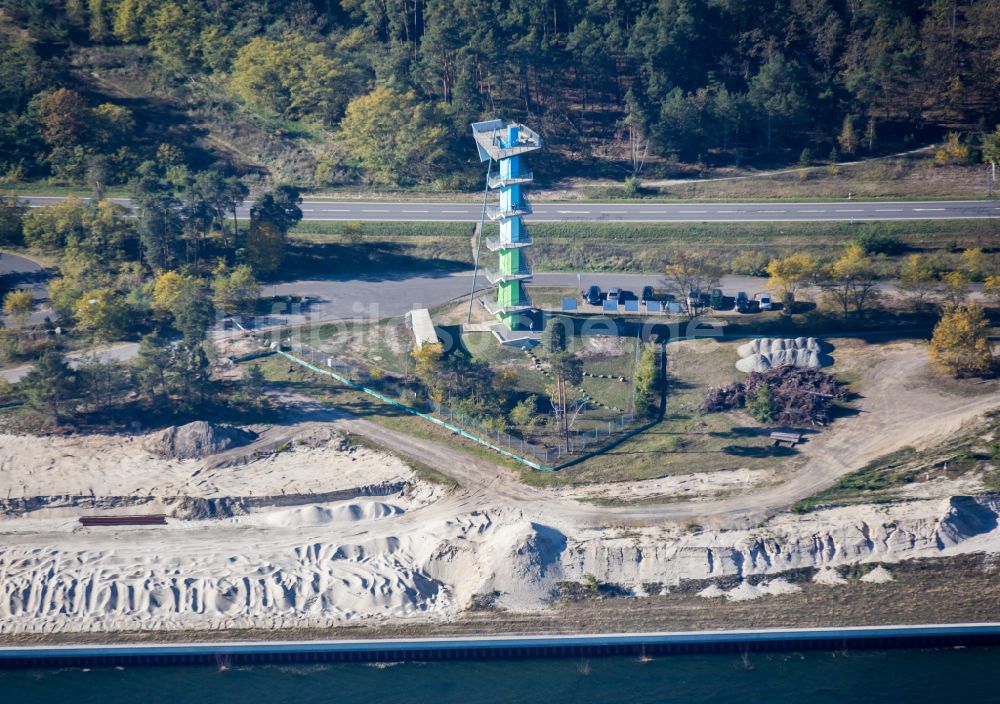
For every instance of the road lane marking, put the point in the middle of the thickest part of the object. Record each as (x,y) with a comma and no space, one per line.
(921,210)
(573,212)
(664,212)
(415,211)
(692,212)
(888,210)
(812,211)
(770,211)
(856,210)
(367,210)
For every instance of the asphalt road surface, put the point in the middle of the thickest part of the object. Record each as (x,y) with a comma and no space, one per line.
(778,211)
(374,297)
(21,272)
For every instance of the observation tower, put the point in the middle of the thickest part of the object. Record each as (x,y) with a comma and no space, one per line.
(506,144)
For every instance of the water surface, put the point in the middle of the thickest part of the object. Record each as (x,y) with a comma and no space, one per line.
(967,675)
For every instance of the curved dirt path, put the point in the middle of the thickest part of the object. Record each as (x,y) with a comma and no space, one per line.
(899,407)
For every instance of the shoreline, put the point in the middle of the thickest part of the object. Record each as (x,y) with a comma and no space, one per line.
(226,653)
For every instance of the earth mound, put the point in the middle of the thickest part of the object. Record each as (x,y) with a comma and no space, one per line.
(197,440)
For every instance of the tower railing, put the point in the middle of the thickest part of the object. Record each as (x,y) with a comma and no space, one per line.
(499,213)
(522,273)
(493,307)
(495,244)
(501,182)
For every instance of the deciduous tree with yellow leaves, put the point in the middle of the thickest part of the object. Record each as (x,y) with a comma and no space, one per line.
(790,273)
(851,283)
(959,345)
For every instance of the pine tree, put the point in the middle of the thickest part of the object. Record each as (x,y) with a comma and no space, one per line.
(51,385)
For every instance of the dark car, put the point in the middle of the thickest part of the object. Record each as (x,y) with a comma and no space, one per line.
(742,302)
(593,295)
(715,299)
(647,293)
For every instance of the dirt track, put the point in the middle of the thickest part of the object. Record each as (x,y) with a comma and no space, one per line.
(897,409)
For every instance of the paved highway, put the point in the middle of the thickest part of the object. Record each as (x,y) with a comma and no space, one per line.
(778,211)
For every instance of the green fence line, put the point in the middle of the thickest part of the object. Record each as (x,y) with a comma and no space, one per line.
(413,411)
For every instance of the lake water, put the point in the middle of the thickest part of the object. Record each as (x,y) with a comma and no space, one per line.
(966,675)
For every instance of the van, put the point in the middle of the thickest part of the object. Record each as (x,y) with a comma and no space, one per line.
(765,301)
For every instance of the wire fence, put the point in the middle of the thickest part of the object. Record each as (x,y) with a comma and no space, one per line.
(555,451)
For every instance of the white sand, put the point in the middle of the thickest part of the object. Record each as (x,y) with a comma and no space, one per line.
(702,485)
(879,575)
(395,558)
(423,554)
(829,576)
(119,465)
(748,592)
(711,592)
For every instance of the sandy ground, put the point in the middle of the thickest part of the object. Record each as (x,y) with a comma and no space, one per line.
(703,486)
(423,553)
(121,465)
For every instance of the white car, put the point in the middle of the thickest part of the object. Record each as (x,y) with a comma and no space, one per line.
(765,301)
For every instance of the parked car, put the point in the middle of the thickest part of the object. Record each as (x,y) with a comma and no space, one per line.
(648,294)
(715,299)
(593,295)
(693,299)
(614,294)
(765,301)
(742,302)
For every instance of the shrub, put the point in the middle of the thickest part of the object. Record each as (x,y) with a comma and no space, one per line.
(761,405)
(523,414)
(953,151)
(874,239)
(750,264)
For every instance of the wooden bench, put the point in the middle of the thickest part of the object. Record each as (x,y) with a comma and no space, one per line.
(780,439)
(156,519)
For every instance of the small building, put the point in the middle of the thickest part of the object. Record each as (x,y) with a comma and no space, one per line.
(419,321)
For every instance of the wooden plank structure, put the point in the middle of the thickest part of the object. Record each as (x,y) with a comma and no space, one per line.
(155,519)
(780,439)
